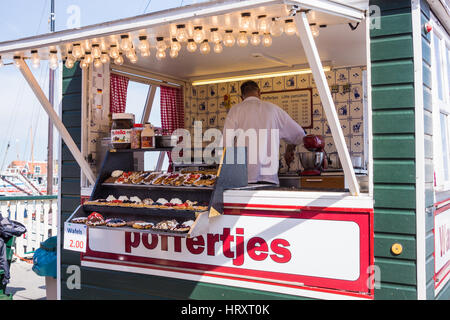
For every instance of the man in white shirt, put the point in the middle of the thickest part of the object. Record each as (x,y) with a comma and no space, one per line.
(259,125)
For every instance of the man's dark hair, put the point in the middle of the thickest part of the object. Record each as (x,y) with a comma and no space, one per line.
(249,87)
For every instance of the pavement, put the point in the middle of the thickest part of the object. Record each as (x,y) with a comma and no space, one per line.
(24,283)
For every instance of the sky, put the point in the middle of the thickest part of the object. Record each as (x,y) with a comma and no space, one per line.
(22,115)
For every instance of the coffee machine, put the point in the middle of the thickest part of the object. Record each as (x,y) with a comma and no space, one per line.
(314,161)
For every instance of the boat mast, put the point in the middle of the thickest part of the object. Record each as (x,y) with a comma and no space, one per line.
(51,94)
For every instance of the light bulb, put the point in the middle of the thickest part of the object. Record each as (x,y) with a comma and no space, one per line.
(125,43)
(96,52)
(87,45)
(70,61)
(175,45)
(191,46)
(53,61)
(119,60)
(173,54)
(314,29)
(263,25)
(228,39)
(255,39)
(97,63)
(88,57)
(83,64)
(198,34)
(218,48)
(1,62)
(133,58)
(267,40)
(289,27)
(276,28)
(35,61)
(130,53)
(77,51)
(103,46)
(104,58)
(215,35)
(144,46)
(114,51)
(181,34)
(245,21)
(242,39)
(204,47)
(17,61)
(160,54)
(160,44)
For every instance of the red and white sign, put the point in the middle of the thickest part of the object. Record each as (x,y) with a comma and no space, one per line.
(442,245)
(317,250)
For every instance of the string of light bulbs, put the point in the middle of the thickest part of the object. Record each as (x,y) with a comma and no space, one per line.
(255,31)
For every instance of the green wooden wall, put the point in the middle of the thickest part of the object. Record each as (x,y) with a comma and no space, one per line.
(394,149)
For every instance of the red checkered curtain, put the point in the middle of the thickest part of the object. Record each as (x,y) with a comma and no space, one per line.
(172,112)
(118,93)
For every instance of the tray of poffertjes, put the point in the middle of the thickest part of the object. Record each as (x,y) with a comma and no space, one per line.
(203,178)
(96,219)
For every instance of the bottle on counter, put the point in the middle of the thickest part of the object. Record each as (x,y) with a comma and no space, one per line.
(148,137)
(136,136)
(121,128)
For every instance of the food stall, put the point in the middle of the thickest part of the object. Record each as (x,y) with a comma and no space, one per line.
(199,230)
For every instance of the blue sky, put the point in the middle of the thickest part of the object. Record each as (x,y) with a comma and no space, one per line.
(22,115)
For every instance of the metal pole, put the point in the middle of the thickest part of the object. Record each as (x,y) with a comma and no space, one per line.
(51,98)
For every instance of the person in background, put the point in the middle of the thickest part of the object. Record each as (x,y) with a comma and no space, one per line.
(263,117)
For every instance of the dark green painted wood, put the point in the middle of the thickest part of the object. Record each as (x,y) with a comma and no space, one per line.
(393,146)
(72,102)
(71,118)
(397,271)
(71,85)
(396,291)
(393,97)
(392,72)
(384,242)
(395,196)
(71,170)
(393,25)
(393,121)
(397,221)
(148,286)
(398,47)
(394,171)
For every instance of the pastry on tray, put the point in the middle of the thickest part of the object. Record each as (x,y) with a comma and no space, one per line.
(184,226)
(95,219)
(166,225)
(191,178)
(81,220)
(159,179)
(142,225)
(115,222)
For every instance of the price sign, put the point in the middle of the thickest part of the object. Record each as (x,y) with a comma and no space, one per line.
(75,237)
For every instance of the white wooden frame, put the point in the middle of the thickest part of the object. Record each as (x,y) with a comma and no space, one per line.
(313,57)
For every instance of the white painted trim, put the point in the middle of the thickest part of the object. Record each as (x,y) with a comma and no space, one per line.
(313,57)
(369,137)
(298,198)
(164,17)
(419,151)
(58,232)
(203,277)
(40,95)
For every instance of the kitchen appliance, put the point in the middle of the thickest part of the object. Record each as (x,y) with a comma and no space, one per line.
(314,161)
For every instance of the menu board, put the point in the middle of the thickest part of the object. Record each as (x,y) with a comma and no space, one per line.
(297,103)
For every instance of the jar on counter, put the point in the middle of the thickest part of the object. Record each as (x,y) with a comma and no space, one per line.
(136,136)
(148,137)
(121,128)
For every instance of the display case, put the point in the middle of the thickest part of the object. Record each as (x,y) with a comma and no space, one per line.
(231,172)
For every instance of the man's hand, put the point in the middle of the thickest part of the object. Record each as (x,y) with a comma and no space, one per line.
(289,154)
